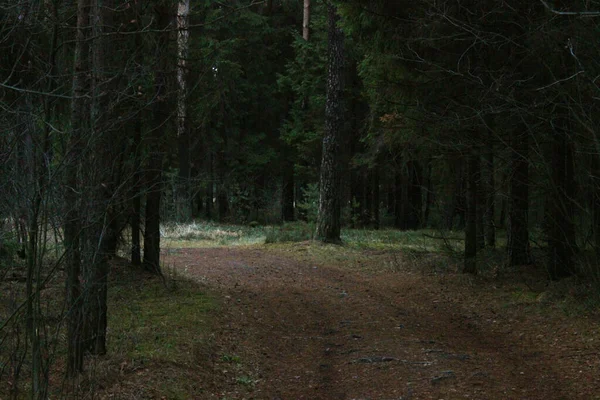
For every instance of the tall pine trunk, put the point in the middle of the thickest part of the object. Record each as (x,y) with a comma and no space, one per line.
(137,186)
(490,196)
(328,221)
(376,196)
(481,203)
(184,200)
(161,115)
(79,125)
(473,173)
(561,239)
(100,233)
(306,21)
(287,195)
(518,229)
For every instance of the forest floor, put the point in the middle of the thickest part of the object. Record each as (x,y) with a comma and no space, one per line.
(312,321)
(386,316)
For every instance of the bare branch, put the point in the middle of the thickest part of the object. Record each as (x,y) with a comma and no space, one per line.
(576,13)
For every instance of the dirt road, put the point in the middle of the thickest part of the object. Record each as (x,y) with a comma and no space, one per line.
(303,330)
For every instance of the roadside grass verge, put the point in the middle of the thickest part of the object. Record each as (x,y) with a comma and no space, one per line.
(159,342)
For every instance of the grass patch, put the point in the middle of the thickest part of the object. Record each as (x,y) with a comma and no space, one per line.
(151,321)
(158,339)
(209,234)
(290,232)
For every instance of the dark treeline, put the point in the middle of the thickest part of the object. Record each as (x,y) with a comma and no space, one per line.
(453,115)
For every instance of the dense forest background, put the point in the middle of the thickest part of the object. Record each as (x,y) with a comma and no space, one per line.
(119,115)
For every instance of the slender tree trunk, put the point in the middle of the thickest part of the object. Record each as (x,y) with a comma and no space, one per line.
(561,241)
(328,223)
(415,195)
(503,207)
(287,196)
(471,215)
(518,230)
(428,196)
(391,200)
(79,125)
(184,201)
(356,195)
(596,202)
(490,203)
(136,198)
(481,196)
(367,198)
(154,173)
(400,199)
(137,186)
(376,197)
(306,21)
(222,200)
(210,192)
(99,233)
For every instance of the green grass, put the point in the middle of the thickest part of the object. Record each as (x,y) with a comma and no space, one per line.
(209,234)
(150,321)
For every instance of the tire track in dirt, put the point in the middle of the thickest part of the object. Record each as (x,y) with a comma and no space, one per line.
(308,331)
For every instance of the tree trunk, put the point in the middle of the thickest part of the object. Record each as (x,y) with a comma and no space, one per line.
(428,196)
(136,188)
(306,21)
(101,231)
(518,230)
(154,173)
(328,222)
(376,197)
(391,200)
(561,240)
(356,196)
(367,198)
(136,197)
(400,195)
(222,200)
(596,203)
(210,191)
(471,215)
(414,198)
(184,200)
(490,203)
(287,193)
(481,196)
(79,125)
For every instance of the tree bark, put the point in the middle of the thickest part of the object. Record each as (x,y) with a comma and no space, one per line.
(154,173)
(184,200)
(376,197)
(101,231)
(400,195)
(596,202)
(210,192)
(79,125)
(328,222)
(287,195)
(481,203)
(518,230)
(415,196)
(471,215)
(561,240)
(306,21)
(490,203)
(136,197)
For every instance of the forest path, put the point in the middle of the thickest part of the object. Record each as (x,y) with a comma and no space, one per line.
(303,330)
